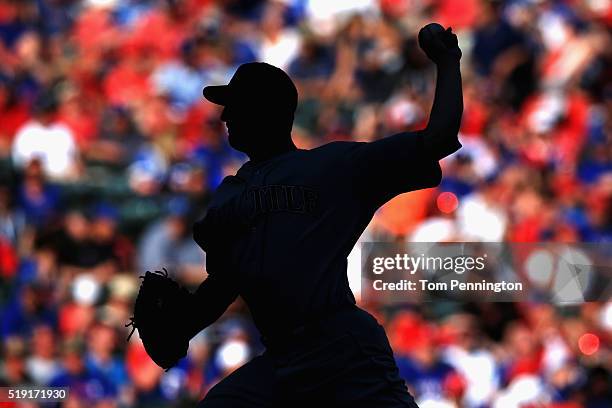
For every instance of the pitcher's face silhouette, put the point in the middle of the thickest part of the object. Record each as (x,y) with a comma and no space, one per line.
(259,103)
(255,127)
(242,127)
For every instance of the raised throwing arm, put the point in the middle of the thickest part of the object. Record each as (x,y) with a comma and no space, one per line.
(443,127)
(408,161)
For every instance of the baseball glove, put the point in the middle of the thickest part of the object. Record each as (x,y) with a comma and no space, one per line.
(161,314)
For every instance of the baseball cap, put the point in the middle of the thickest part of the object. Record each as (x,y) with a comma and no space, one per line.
(256,82)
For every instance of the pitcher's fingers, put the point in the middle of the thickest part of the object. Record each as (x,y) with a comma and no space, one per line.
(438,44)
(450,39)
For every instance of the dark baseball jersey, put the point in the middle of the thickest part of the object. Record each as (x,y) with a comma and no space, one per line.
(280,230)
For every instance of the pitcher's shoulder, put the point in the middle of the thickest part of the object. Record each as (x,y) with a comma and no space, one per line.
(335,149)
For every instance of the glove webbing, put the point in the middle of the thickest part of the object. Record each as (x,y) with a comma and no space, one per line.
(133,321)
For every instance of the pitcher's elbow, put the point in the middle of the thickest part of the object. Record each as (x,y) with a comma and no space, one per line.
(442,143)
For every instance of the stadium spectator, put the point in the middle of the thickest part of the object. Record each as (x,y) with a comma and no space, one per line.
(44,139)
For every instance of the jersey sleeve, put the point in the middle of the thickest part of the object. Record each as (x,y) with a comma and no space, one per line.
(393,165)
(219,225)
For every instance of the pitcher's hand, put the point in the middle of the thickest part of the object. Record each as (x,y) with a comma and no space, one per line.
(440,45)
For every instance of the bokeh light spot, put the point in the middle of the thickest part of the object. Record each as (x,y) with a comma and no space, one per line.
(447,202)
(540,266)
(588,343)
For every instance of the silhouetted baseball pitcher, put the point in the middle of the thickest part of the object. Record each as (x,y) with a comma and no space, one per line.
(278,233)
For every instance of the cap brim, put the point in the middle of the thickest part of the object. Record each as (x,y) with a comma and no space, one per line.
(218,94)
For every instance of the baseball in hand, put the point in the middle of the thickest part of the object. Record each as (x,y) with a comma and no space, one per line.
(439,44)
(428,33)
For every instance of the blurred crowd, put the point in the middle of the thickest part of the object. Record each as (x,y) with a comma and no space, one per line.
(108,153)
